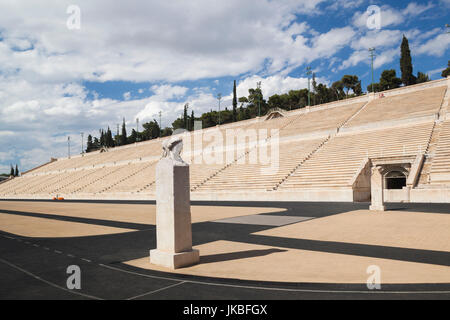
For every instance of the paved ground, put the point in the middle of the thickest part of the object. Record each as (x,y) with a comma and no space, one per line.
(109,241)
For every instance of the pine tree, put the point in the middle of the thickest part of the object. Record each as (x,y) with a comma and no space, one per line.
(446,72)
(133,136)
(358,89)
(389,80)
(234,102)
(422,77)
(406,66)
(16,173)
(349,82)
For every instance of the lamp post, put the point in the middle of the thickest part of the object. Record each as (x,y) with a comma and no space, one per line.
(219,97)
(372,55)
(160,127)
(308,73)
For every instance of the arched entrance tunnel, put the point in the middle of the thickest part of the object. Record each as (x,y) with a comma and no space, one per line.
(395,180)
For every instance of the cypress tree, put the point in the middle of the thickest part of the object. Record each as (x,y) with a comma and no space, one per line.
(314,85)
(90,144)
(185,117)
(16,173)
(406,66)
(192,121)
(12,171)
(123,137)
(109,138)
(234,102)
(96,143)
(102,138)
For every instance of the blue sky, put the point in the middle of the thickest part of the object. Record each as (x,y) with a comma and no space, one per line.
(58,80)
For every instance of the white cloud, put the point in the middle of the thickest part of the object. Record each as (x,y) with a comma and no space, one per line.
(168,92)
(160,102)
(127,95)
(143,41)
(345,4)
(436,46)
(21,111)
(382,57)
(355,58)
(271,85)
(413,9)
(327,44)
(6,156)
(385,57)
(435,71)
(377,39)
(390,16)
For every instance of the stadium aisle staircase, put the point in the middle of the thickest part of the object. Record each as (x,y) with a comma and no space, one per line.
(440,167)
(335,164)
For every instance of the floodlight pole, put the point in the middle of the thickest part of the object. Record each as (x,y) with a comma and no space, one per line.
(309,72)
(160,127)
(372,55)
(82,142)
(258,86)
(68,147)
(219,97)
(137,129)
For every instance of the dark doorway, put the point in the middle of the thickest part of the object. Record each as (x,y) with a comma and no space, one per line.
(395,180)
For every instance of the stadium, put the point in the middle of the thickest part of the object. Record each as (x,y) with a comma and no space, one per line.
(322,192)
(404,131)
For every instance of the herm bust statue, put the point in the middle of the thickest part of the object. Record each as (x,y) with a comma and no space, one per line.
(172,149)
(173,210)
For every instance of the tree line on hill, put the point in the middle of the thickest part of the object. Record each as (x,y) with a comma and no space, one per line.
(14,172)
(151,130)
(255,104)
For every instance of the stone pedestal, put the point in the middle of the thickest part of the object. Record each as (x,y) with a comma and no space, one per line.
(173,216)
(377,190)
